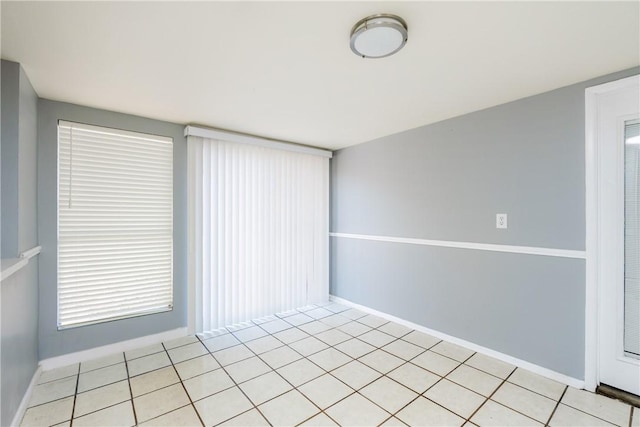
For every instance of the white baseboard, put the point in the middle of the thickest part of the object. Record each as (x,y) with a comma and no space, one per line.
(105,350)
(548,373)
(17,418)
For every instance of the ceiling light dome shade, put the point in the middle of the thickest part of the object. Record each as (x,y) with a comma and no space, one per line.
(378,36)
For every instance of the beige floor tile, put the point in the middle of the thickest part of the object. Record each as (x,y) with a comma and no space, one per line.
(308,346)
(289,409)
(372,321)
(144,351)
(275,326)
(452,351)
(233,354)
(353,314)
(221,342)
(376,338)
(381,361)
(49,413)
(153,380)
(179,342)
(423,412)
(475,379)
(280,357)
(222,406)
(315,327)
(420,339)
(525,401)
(539,384)
(356,374)
(354,328)
(635,421)
(291,335)
(120,415)
(393,422)
(395,329)
(336,307)
(197,366)
(160,402)
(247,369)
(599,406)
(207,384)
(333,337)
(565,416)
(355,348)
(355,410)
(53,390)
(102,397)
(298,319)
(149,363)
(325,391)
(403,349)
(265,387)
(186,352)
(455,398)
(493,414)
(102,362)
(59,373)
(264,344)
(388,394)
(329,359)
(249,334)
(251,418)
(320,420)
(103,376)
(414,377)
(183,417)
(319,313)
(490,365)
(335,321)
(435,363)
(300,372)
(64,424)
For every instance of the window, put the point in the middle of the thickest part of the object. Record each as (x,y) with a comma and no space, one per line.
(115,224)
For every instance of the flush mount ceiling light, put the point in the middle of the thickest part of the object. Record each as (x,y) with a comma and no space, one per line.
(377,36)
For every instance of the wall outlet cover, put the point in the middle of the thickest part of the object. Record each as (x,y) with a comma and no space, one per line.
(501,220)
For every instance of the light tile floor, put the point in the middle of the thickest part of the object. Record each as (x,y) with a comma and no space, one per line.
(318,366)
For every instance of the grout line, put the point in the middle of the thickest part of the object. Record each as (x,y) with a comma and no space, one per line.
(490,395)
(133,406)
(183,387)
(556,406)
(75,395)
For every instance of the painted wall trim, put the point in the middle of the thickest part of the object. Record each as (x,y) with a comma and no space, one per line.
(528,250)
(13,265)
(548,373)
(224,135)
(105,350)
(17,417)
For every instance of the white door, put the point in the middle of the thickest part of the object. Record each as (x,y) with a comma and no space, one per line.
(617,135)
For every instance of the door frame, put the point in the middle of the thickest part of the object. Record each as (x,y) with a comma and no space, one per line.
(594,263)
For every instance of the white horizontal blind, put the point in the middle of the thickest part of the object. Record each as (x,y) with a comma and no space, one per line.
(258,230)
(632,239)
(115,224)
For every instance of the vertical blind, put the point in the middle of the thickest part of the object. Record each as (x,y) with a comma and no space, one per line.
(115,224)
(258,228)
(632,239)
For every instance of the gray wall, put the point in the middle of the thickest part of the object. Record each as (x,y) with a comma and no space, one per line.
(19,293)
(54,342)
(446,181)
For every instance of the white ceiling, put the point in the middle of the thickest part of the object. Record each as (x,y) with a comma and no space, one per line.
(284,70)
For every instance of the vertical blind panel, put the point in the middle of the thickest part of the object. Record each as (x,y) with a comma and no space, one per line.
(259,230)
(632,239)
(115,224)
